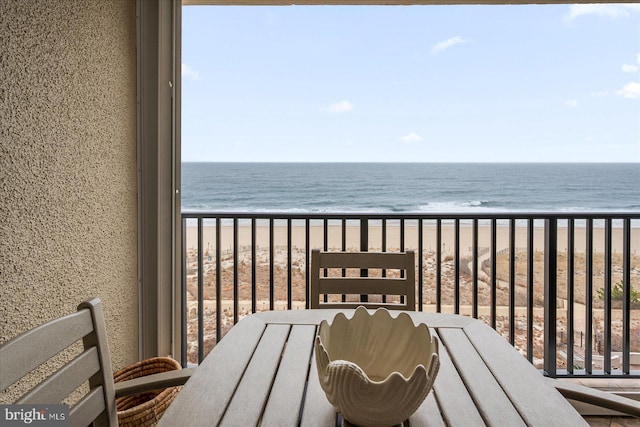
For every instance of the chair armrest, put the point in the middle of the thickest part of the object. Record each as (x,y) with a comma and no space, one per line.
(153,382)
(597,397)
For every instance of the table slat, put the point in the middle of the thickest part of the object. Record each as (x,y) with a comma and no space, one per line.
(246,406)
(537,402)
(428,414)
(494,406)
(200,402)
(283,406)
(317,410)
(453,399)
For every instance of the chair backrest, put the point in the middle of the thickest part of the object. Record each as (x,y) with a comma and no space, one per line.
(401,289)
(28,351)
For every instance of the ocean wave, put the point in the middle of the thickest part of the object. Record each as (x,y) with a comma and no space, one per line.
(464,206)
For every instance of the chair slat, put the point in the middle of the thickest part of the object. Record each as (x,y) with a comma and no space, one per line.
(388,260)
(362,285)
(87,409)
(369,305)
(17,356)
(63,382)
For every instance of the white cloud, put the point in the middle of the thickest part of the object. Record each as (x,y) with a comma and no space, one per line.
(444,45)
(340,107)
(411,137)
(189,73)
(572,103)
(630,90)
(600,93)
(627,68)
(610,10)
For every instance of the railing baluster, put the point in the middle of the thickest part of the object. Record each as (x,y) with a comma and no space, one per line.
(626,295)
(344,248)
(607,296)
(364,247)
(494,279)
(550,295)
(183,293)
(307,261)
(530,307)
(325,225)
(439,265)
(384,249)
(289,262)
(383,236)
(235,271)
(200,295)
(325,234)
(271,264)
(253,265)
(456,265)
(588,351)
(475,268)
(420,264)
(218,281)
(512,280)
(570,292)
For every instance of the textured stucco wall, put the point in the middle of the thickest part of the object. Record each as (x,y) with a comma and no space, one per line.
(68,227)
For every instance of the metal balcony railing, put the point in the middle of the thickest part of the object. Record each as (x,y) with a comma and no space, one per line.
(563,288)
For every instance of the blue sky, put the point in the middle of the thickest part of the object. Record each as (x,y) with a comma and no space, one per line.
(411,83)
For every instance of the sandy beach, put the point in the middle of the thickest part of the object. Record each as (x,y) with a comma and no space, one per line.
(316,237)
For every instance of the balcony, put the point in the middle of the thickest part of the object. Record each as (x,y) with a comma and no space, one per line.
(509,270)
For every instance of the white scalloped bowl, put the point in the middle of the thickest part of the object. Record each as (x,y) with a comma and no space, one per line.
(376,370)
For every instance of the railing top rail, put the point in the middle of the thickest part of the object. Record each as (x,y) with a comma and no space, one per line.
(412,215)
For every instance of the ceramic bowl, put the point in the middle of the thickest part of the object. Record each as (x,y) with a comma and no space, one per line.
(375,369)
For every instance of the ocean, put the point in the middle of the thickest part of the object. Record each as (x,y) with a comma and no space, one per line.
(411,187)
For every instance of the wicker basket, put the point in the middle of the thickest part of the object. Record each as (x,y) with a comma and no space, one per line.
(145,409)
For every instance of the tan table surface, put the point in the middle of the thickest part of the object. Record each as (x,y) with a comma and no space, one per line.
(263,373)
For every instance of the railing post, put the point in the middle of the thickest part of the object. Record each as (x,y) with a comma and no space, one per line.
(550,295)
(183,297)
(626,296)
(200,293)
(364,247)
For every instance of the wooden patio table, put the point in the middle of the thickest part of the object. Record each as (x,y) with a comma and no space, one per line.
(263,373)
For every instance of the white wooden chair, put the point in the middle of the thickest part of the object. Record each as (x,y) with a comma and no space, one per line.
(403,286)
(28,351)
